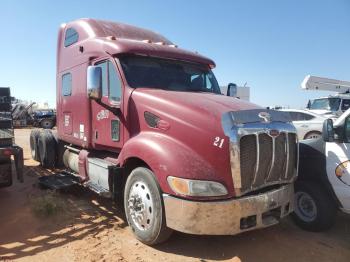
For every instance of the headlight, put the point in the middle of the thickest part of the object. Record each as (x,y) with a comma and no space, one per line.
(189,187)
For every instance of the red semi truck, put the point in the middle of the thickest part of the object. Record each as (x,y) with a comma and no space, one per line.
(142,120)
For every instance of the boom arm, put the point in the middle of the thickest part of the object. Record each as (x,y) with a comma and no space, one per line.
(325,84)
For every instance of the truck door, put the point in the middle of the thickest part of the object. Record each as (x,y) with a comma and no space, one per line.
(107,131)
(338,166)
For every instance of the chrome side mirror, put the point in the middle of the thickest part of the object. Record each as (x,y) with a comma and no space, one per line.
(328,131)
(232,90)
(94,82)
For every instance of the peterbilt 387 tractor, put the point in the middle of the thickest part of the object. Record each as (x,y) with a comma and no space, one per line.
(142,120)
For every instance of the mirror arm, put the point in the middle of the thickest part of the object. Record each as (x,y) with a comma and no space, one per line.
(115,110)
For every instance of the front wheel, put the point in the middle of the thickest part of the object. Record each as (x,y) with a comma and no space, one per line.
(144,207)
(314,209)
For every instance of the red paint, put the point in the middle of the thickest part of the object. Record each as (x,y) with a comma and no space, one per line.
(182,145)
(83,171)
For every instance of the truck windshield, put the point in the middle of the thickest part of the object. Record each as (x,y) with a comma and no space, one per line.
(331,104)
(168,74)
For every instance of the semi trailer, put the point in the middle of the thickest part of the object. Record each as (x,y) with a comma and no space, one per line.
(141,120)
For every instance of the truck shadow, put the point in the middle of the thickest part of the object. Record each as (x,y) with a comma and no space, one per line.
(98,221)
(276,243)
(22,233)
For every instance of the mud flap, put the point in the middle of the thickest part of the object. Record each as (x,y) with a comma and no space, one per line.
(116,182)
(5,174)
(19,162)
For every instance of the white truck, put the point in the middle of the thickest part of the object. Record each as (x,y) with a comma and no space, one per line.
(233,90)
(323,184)
(332,105)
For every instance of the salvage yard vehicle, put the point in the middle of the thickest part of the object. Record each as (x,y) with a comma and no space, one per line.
(143,120)
(323,184)
(331,106)
(24,115)
(308,124)
(7,146)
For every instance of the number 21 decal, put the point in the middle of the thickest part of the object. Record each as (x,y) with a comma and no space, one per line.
(218,142)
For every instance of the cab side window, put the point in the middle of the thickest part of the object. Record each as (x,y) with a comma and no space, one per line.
(298,116)
(103,66)
(345,104)
(307,116)
(347,130)
(111,84)
(67,84)
(70,37)
(115,85)
(294,116)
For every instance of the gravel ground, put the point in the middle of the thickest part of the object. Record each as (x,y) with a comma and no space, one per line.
(89,228)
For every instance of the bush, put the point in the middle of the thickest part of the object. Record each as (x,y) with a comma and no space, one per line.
(47,205)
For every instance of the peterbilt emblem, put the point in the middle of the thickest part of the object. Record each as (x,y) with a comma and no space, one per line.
(274,133)
(266,117)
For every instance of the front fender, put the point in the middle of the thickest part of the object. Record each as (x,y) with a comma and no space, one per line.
(167,156)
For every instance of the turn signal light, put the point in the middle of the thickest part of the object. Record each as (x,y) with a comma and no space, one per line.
(342,169)
(199,188)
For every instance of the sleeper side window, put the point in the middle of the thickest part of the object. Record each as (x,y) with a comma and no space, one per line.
(71,37)
(67,84)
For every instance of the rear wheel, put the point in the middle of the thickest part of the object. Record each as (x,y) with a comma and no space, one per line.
(314,209)
(47,123)
(47,149)
(34,135)
(144,207)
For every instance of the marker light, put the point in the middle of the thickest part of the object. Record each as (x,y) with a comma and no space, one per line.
(201,188)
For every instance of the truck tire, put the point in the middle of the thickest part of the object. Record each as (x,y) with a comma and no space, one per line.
(144,207)
(47,149)
(314,209)
(47,123)
(34,135)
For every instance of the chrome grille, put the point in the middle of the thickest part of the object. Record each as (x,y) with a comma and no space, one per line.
(266,160)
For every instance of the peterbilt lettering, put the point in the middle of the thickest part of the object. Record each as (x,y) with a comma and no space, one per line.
(159,134)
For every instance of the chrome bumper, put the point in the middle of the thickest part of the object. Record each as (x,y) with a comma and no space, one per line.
(229,217)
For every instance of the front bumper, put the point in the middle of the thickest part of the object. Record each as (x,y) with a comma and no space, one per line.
(229,217)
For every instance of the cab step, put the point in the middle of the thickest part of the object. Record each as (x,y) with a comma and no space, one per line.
(98,189)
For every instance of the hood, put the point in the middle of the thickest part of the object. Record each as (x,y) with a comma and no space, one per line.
(195,108)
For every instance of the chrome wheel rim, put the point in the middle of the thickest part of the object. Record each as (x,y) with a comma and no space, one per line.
(46,123)
(305,206)
(140,205)
(313,136)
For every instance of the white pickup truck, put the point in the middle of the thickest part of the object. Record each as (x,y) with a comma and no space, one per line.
(323,184)
(331,106)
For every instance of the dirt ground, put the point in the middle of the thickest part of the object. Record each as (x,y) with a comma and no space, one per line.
(90,228)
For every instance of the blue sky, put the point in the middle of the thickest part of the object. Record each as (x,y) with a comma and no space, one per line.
(271,45)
